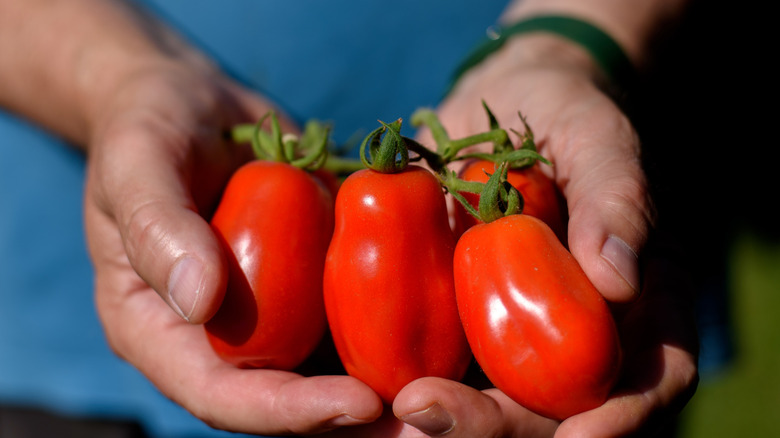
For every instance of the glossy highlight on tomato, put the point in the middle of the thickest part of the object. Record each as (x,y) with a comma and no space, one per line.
(539,329)
(388,282)
(275,222)
(540,196)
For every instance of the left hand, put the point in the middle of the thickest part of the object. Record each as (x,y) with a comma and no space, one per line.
(596,165)
(659,377)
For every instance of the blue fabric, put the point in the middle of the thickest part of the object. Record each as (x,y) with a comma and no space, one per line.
(346,61)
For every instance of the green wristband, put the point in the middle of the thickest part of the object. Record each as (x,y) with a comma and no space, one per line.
(604,50)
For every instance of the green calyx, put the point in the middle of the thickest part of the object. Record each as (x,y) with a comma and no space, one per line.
(309,151)
(497,197)
(387,149)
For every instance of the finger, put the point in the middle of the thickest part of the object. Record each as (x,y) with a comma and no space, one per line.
(441,407)
(386,426)
(275,402)
(598,168)
(177,359)
(141,178)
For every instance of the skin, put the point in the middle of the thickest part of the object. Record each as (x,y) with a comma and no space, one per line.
(149,111)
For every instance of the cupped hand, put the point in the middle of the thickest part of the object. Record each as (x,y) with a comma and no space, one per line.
(157,162)
(659,375)
(595,155)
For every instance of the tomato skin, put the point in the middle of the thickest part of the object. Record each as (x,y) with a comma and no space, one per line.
(329,180)
(388,282)
(539,329)
(539,193)
(275,222)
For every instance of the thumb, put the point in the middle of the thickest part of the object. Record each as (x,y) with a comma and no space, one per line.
(610,215)
(143,181)
(441,407)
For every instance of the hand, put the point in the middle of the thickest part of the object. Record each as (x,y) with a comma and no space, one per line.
(659,376)
(157,164)
(596,165)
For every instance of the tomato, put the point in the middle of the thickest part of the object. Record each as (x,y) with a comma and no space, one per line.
(275,221)
(539,193)
(329,180)
(539,329)
(388,282)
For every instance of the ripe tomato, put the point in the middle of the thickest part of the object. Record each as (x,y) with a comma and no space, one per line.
(539,329)
(275,221)
(539,193)
(388,281)
(329,180)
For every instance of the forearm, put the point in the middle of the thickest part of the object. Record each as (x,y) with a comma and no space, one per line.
(59,60)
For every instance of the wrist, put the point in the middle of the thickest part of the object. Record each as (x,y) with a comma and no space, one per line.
(633,25)
(616,69)
(110,52)
(535,52)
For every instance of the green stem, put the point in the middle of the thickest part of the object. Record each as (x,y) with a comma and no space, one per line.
(243,133)
(494,136)
(447,148)
(289,146)
(466,205)
(276,136)
(261,143)
(427,117)
(341,165)
(454,184)
(433,159)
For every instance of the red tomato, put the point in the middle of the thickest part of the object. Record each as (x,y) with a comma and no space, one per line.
(389,290)
(539,194)
(539,329)
(276,222)
(329,180)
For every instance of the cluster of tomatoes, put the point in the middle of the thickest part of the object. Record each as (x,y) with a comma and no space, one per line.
(375,262)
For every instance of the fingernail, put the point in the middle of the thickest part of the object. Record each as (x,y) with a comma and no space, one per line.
(434,420)
(623,259)
(184,286)
(344,420)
